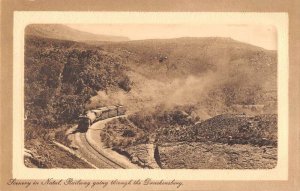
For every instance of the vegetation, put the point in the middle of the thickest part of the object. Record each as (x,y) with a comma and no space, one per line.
(167,119)
(158,81)
(164,59)
(177,126)
(121,133)
(238,129)
(145,128)
(61,77)
(211,73)
(38,140)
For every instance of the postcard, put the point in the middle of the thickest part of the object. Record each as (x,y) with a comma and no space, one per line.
(115,100)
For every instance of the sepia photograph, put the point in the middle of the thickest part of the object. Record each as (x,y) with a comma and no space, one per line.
(133,95)
(150,96)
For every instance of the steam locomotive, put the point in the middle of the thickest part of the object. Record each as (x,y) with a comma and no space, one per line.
(91,116)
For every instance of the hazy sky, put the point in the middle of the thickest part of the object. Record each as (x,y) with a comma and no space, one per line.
(262,36)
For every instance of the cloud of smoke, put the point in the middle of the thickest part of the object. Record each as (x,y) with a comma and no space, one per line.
(147,94)
(210,94)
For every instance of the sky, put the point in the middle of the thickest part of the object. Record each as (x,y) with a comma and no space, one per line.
(259,35)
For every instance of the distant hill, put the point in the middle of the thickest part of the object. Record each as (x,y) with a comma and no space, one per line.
(179,57)
(62,32)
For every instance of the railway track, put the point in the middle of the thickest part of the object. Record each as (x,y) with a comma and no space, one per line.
(91,154)
(89,146)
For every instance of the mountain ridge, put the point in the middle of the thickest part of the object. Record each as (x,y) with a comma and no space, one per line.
(63,32)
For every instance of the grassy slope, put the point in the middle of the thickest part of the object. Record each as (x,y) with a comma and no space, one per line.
(193,56)
(215,73)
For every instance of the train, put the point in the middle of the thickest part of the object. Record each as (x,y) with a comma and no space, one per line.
(91,116)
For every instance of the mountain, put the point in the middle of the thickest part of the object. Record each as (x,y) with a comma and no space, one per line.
(58,31)
(173,58)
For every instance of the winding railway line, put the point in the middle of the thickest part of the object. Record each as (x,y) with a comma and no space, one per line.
(86,139)
(95,157)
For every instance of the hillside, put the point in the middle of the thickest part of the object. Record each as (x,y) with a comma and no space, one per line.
(178,126)
(61,77)
(198,155)
(214,74)
(173,58)
(227,141)
(239,129)
(62,32)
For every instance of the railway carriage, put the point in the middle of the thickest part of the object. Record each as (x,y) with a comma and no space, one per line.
(97,112)
(104,113)
(121,110)
(112,111)
(101,113)
(91,115)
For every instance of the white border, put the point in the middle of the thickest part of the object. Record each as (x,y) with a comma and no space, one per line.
(22,18)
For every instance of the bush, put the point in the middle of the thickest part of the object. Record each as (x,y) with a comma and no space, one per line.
(61,77)
(128,133)
(120,133)
(233,129)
